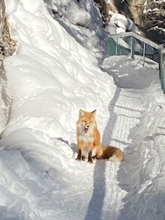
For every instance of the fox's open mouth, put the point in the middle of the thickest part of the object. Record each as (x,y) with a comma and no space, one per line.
(86,129)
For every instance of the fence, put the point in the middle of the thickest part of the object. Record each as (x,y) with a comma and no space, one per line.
(132,44)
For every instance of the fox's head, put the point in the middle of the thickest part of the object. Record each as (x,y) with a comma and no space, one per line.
(87,120)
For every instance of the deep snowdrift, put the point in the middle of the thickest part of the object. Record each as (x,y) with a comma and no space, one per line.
(45,83)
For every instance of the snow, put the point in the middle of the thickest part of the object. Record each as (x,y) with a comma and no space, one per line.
(43,85)
(119,23)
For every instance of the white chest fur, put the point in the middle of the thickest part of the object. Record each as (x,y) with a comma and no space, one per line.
(85,137)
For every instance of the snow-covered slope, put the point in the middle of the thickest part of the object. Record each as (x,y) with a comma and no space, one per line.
(44,84)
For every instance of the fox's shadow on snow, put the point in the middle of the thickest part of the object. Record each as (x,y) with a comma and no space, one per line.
(95,206)
(9,213)
(96,203)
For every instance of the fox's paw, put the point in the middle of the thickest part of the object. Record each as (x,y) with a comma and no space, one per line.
(83,158)
(78,159)
(90,160)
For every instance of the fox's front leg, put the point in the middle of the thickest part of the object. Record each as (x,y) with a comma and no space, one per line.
(90,148)
(79,156)
(90,157)
(80,146)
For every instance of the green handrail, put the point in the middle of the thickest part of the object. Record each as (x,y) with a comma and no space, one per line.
(131,44)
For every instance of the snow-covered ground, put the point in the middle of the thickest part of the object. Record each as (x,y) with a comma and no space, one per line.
(43,86)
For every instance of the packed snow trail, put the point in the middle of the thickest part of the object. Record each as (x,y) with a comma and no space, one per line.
(46,82)
(141,114)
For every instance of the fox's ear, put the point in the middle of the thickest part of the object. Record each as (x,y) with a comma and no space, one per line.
(81,113)
(94,112)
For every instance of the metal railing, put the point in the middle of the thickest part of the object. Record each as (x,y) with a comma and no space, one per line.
(132,44)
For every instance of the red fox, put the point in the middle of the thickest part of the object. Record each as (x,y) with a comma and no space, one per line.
(88,140)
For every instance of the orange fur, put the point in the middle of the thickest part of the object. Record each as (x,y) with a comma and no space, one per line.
(88,140)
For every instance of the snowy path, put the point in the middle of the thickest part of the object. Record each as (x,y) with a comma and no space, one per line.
(141,115)
(114,191)
(125,111)
(46,82)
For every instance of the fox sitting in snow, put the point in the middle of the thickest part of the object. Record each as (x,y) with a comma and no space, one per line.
(88,140)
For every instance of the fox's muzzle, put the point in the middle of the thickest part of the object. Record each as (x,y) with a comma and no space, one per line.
(86,128)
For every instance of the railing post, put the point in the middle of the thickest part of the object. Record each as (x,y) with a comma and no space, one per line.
(117,38)
(132,47)
(144,52)
(162,66)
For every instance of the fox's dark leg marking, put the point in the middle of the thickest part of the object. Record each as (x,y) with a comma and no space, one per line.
(94,157)
(90,157)
(79,156)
